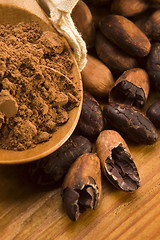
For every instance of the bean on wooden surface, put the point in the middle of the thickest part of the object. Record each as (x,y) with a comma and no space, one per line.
(82,185)
(116,161)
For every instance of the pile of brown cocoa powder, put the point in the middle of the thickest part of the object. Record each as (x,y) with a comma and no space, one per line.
(37,89)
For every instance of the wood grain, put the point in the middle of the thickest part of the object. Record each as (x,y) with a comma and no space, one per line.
(28,213)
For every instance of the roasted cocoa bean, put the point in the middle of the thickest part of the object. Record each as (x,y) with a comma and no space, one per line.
(131,88)
(50,170)
(82,185)
(97,78)
(153,63)
(125,34)
(91,119)
(83,20)
(128,8)
(130,123)
(113,57)
(152,26)
(153,113)
(116,161)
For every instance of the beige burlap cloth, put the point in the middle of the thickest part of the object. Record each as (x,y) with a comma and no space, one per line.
(59,13)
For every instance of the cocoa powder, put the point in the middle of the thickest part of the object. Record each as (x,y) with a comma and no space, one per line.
(36,76)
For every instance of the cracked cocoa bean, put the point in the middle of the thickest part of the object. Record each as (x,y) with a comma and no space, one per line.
(50,170)
(82,185)
(130,123)
(153,62)
(125,34)
(91,120)
(153,113)
(116,161)
(131,88)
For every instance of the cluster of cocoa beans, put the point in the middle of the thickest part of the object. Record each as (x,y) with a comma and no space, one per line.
(123,42)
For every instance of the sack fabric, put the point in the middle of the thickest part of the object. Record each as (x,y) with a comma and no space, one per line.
(59,13)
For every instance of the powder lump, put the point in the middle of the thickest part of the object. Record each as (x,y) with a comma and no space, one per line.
(36,76)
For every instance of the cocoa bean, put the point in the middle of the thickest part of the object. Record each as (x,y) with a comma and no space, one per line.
(153,113)
(50,170)
(130,123)
(116,161)
(153,62)
(91,119)
(83,20)
(125,34)
(131,88)
(113,57)
(152,26)
(128,8)
(97,78)
(82,186)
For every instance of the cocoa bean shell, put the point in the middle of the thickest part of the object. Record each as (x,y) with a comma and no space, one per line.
(130,123)
(116,161)
(81,188)
(113,57)
(125,34)
(132,88)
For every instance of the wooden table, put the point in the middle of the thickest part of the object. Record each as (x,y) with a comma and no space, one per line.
(28,213)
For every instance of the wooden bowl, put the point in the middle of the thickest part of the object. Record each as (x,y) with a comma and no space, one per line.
(13,12)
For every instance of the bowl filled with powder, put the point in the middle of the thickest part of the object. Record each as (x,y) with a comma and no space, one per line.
(40,86)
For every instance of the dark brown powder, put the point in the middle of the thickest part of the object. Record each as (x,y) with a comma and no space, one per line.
(36,76)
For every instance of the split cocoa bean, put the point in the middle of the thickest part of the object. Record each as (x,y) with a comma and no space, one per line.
(82,185)
(116,161)
(128,8)
(125,34)
(50,171)
(130,123)
(91,119)
(131,88)
(97,78)
(153,113)
(113,57)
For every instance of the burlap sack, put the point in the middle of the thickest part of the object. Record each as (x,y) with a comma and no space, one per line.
(59,13)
